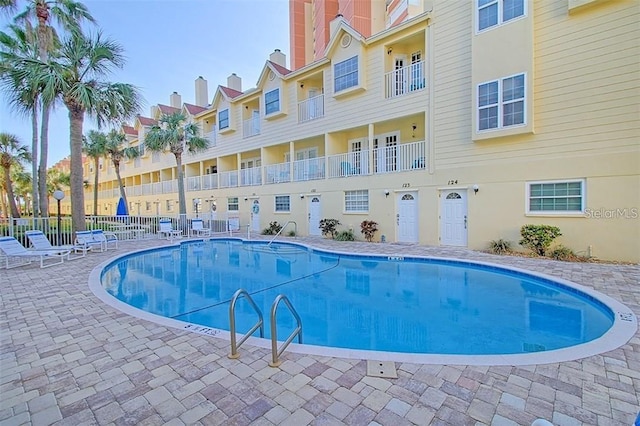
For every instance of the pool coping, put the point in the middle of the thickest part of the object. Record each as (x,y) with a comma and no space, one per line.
(625,322)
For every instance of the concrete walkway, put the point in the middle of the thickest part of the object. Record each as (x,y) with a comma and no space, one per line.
(67,358)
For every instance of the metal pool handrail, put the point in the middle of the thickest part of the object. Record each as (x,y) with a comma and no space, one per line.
(232,322)
(275,353)
(295,229)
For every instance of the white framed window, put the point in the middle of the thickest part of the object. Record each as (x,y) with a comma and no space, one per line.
(491,13)
(169,205)
(356,201)
(223,119)
(283,203)
(147,205)
(556,197)
(345,74)
(501,103)
(272,101)
(232,204)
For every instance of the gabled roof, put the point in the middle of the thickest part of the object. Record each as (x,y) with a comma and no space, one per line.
(194,109)
(343,26)
(128,130)
(145,121)
(273,67)
(227,92)
(167,110)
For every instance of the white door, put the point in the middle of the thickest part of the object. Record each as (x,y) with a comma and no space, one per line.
(313,108)
(400,75)
(453,218)
(255,216)
(407,217)
(315,210)
(255,122)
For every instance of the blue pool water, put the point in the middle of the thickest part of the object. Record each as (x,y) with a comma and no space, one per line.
(410,305)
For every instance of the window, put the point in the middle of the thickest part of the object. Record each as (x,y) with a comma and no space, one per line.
(169,205)
(496,12)
(556,197)
(345,74)
(356,201)
(223,119)
(147,205)
(272,101)
(232,204)
(283,203)
(501,103)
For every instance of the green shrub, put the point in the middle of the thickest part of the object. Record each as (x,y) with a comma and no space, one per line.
(328,227)
(291,233)
(368,228)
(345,236)
(563,253)
(538,238)
(273,229)
(499,246)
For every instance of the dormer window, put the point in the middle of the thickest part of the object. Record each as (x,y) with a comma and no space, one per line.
(223,119)
(272,102)
(345,74)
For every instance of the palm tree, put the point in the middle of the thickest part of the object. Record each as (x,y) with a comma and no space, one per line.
(23,95)
(77,76)
(12,151)
(22,182)
(170,134)
(116,150)
(94,147)
(67,14)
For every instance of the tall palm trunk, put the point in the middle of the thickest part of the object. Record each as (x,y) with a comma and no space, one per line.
(34,160)
(3,201)
(76,118)
(9,189)
(181,198)
(96,180)
(123,194)
(42,170)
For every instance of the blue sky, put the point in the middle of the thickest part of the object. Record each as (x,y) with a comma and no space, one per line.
(168,44)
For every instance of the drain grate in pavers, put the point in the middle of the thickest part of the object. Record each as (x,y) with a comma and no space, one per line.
(385,369)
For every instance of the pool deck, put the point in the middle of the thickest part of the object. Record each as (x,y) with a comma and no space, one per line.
(68,358)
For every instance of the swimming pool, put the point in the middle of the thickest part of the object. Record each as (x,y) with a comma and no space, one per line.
(387,304)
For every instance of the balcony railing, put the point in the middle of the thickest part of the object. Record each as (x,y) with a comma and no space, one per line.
(194,183)
(277,173)
(399,158)
(311,108)
(350,164)
(405,80)
(210,181)
(228,179)
(251,127)
(211,137)
(308,169)
(251,176)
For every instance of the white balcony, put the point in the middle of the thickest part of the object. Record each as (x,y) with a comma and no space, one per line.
(405,80)
(349,164)
(251,127)
(311,108)
(399,158)
(210,181)
(308,169)
(169,186)
(251,176)
(211,137)
(194,183)
(156,188)
(228,179)
(277,173)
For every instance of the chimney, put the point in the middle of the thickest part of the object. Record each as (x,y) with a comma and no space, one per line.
(202,92)
(334,24)
(234,82)
(154,111)
(277,57)
(175,100)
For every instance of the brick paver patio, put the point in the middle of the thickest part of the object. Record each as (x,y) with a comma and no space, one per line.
(67,358)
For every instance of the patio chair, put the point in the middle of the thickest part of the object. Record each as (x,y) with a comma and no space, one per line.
(11,248)
(105,238)
(166,229)
(85,240)
(198,229)
(40,242)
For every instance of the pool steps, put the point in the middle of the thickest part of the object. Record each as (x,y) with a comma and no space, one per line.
(275,352)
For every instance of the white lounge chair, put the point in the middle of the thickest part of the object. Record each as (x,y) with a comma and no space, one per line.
(198,229)
(11,248)
(40,242)
(105,238)
(166,229)
(85,239)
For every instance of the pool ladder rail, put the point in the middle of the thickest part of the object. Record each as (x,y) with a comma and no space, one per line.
(295,230)
(275,352)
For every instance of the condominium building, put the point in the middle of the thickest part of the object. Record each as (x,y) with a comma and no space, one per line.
(452,127)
